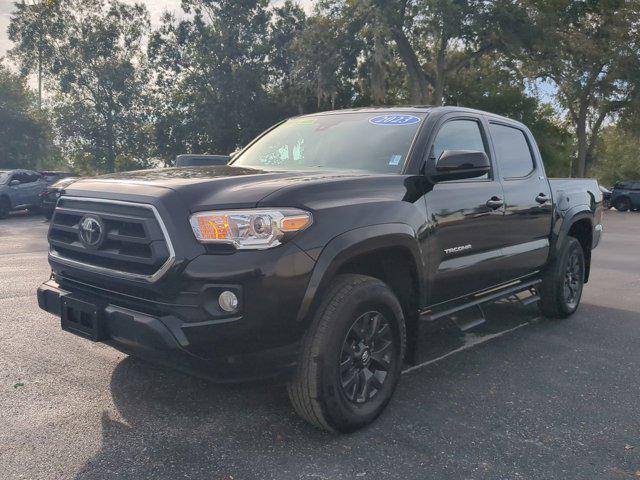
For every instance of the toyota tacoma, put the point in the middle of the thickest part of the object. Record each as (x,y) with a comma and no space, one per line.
(317,254)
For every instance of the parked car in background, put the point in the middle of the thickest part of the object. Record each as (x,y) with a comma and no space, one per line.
(626,195)
(49,196)
(606,197)
(20,189)
(189,160)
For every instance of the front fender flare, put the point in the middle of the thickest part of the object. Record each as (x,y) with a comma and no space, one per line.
(356,242)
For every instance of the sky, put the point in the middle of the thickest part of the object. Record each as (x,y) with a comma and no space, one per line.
(155,7)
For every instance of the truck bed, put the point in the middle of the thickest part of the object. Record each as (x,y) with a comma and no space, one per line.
(570,192)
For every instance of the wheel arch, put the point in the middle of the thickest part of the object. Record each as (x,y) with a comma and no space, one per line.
(576,223)
(382,251)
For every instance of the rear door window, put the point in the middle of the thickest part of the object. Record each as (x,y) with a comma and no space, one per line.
(513,153)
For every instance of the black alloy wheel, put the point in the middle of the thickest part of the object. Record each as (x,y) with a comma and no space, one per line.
(367,357)
(351,356)
(573,280)
(563,281)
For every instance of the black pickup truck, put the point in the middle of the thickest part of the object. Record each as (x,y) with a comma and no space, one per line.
(314,257)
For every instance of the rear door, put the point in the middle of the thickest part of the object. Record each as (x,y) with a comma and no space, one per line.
(467,216)
(527,193)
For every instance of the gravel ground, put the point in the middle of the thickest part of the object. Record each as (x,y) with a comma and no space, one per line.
(517,398)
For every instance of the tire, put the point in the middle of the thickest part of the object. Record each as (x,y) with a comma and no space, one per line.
(622,204)
(5,208)
(337,386)
(33,210)
(563,282)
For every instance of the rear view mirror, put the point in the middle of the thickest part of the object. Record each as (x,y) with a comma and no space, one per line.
(13,183)
(460,164)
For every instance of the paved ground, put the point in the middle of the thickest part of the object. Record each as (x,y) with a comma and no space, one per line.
(547,400)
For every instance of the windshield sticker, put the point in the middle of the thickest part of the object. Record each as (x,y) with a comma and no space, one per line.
(395,159)
(304,121)
(394,120)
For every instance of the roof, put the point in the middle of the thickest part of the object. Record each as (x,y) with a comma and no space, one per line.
(414,109)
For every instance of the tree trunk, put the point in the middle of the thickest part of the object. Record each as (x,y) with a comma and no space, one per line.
(40,73)
(111,149)
(418,81)
(438,94)
(580,167)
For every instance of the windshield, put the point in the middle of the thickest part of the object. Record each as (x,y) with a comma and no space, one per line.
(348,141)
(4,177)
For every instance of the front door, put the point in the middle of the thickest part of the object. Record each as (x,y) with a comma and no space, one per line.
(466,217)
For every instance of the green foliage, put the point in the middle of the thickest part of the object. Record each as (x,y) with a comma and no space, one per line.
(211,90)
(121,94)
(97,72)
(495,87)
(591,51)
(617,155)
(25,134)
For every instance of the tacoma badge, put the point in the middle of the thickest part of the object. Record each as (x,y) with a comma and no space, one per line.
(461,248)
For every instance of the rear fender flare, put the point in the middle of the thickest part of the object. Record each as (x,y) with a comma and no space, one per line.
(359,241)
(564,224)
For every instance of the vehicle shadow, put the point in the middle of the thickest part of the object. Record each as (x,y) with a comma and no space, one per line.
(171,425)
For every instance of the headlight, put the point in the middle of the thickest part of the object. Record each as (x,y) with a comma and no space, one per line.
(249,229)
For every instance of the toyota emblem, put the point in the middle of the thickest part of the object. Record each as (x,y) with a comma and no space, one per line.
(91,231)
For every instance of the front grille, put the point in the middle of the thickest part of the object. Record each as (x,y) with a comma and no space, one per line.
(134,242)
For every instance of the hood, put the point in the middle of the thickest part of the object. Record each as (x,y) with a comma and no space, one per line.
(211,187)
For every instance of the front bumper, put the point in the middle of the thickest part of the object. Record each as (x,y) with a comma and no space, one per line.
(163,339)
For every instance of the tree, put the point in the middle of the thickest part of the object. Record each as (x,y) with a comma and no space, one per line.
(98,75)
(212,76)
(435,39)
(617,155)
(325,63)
(285,32)
(591,51)
(25,134)
(32,26)
(493,85)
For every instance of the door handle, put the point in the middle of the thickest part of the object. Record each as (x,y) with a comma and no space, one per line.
(542,198)
(494,202)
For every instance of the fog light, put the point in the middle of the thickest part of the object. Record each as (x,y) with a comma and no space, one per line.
(228,301)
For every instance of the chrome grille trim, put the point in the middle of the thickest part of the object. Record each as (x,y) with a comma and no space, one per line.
(117,273)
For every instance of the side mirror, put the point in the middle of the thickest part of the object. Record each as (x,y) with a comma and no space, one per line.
(13,183)
(460,164)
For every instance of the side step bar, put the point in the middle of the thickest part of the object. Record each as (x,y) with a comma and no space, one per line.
(430,316)
(467,314)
